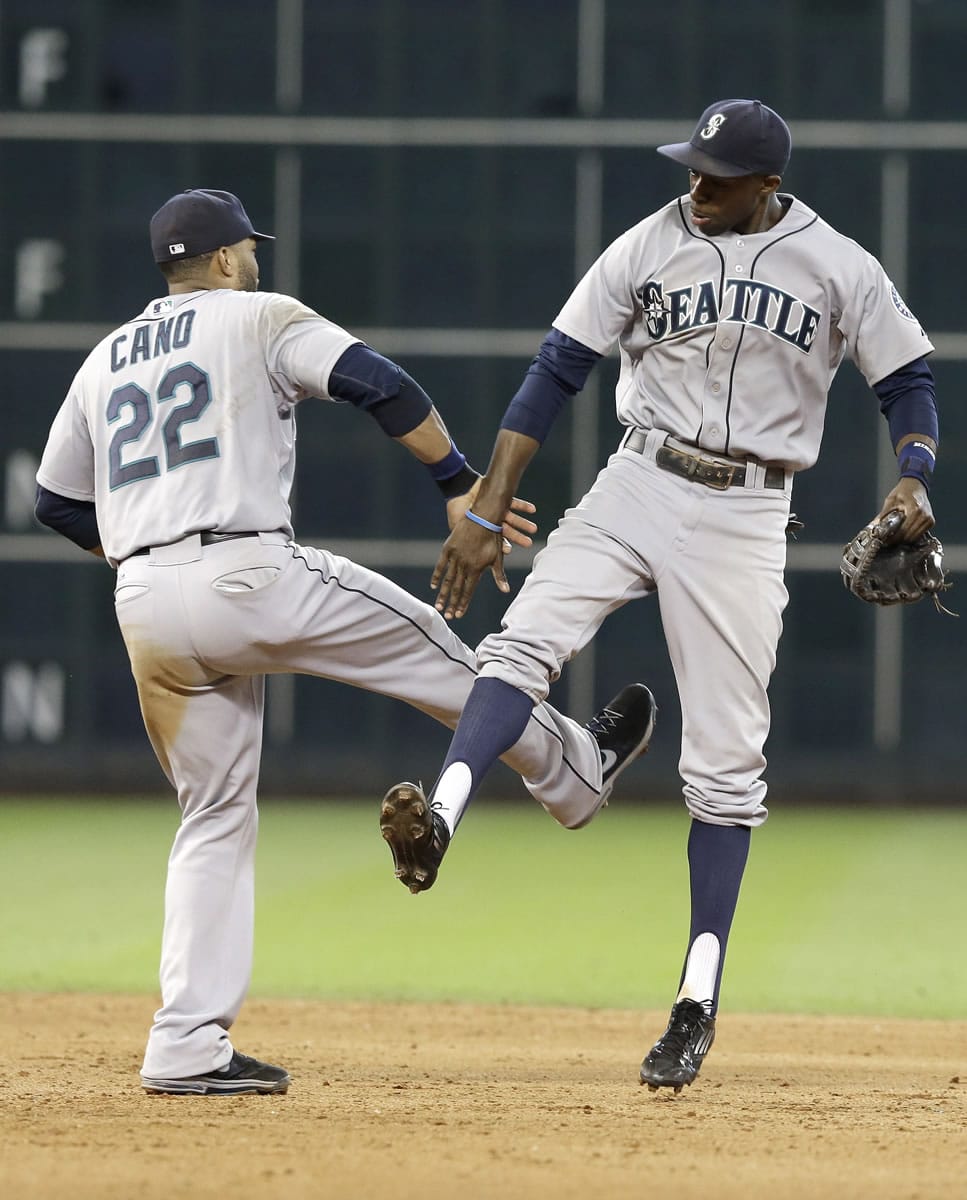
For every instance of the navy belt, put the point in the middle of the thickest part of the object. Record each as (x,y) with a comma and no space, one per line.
(208,538)
(709,471)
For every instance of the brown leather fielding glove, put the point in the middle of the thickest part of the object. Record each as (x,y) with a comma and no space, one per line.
(897,573)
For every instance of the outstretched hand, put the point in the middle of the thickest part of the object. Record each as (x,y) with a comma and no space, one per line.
(470,550)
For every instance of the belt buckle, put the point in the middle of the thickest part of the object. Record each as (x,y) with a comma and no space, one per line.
(722,474)
(720,484)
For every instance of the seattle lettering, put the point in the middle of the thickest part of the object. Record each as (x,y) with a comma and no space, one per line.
(745,301)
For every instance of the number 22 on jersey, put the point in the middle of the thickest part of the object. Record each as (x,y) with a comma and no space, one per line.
(133,401)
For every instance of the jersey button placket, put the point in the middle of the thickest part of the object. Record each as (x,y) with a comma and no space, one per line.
(721,355)
(713,411)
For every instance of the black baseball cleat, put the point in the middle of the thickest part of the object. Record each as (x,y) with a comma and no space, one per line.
(623,730)
(676,1058)
(243,1074)
(417,835)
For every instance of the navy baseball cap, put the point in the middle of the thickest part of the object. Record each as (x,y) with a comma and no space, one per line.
(197,221)
(735,137)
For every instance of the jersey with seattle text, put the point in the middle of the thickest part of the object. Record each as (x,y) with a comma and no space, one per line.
(182,420)
(731,342)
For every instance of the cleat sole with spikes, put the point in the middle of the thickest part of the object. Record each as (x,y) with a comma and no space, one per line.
(416,835)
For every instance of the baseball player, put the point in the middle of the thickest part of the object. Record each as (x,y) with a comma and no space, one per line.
(732,307)
(172,456)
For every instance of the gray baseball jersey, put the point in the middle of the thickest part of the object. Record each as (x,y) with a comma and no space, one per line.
(732,342)
(180,426)
(728,346)
(188,412)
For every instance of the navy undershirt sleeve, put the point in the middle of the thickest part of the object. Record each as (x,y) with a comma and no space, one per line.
(378,386)
(908,401)
(74,519)
(559,371)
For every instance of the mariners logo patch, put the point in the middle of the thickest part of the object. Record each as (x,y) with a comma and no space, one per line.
(899,305)
(714,125)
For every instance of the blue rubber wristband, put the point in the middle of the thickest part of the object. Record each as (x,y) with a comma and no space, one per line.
(472,516)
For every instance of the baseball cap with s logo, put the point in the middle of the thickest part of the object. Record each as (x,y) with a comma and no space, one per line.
(715,123)
(735,137)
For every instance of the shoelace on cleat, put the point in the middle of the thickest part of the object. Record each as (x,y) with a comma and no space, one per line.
(604,721)
(679,1033)
(437,836)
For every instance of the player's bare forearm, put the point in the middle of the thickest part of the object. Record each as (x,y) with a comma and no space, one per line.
(915,437)
(471,549)
(429,441)
(512,452)
(910,498)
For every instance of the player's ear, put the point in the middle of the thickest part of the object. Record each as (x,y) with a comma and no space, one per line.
(223,262)
(771,183)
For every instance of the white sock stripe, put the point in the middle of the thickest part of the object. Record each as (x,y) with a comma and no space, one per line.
(452,793)
(701,969)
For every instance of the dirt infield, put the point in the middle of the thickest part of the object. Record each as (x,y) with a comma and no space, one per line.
(414,1102)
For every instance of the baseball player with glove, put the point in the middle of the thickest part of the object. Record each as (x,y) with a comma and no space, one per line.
(732,307)
(172,456)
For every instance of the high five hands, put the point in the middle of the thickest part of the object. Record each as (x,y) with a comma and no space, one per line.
(471,549)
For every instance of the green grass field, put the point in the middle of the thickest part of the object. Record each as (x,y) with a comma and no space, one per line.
(842,911)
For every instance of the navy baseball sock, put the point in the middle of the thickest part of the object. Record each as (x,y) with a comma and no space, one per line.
(717,856)
(493,719)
